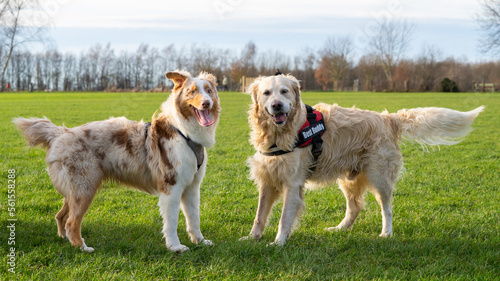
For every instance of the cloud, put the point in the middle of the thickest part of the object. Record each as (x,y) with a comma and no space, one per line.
(277,24)
(216,13)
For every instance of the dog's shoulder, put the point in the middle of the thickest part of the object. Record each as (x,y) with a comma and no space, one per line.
(162,128)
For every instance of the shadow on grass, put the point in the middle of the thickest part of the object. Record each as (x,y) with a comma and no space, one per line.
(341,255)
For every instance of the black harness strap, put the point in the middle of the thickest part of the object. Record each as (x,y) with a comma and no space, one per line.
(275,151)
(309,134)
(195,147)
(146,128)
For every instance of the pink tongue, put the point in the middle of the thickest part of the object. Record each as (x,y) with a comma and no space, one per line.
(280,117)
(204,118)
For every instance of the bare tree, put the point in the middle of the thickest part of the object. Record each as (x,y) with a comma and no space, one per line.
(337,59)
(389,41)
(15,30)
(105,62)
(150,67)
(304,68)
(245,65)
(55,67)
(69,66)
(139,62)
(427,68)
(489,21)
(368,69)
(269,61)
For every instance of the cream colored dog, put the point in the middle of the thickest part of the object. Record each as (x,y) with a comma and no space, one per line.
(166,157)
(360,151)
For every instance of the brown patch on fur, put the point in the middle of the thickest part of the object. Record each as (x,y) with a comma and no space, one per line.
(170,180)
(162,130)
(178,77)
(183,106)
(83,144)
(121,138)
(196,101)
(87,133)
(100,154)
(164,157)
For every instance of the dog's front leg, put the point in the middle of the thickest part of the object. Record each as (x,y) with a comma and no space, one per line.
(267,196)
(169,209)
(293,204)
(190,204)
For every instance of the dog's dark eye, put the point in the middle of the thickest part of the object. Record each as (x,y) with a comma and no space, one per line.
(266,93)
(209,91)
(192,92)
(284,91)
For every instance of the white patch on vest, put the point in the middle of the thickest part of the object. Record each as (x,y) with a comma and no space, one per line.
(313,130)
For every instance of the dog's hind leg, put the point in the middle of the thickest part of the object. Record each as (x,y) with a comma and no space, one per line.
(78,206)
(85,179)
(353,190)
(61,218)
(267,197)
(382,190)
(382,176)
(77,179)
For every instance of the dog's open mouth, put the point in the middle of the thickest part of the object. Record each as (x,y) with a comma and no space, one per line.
(203,117)
(279,118)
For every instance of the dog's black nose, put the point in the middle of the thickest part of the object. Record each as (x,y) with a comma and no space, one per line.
(206,104)
(277,105)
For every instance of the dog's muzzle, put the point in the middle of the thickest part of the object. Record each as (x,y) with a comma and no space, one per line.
(278,115)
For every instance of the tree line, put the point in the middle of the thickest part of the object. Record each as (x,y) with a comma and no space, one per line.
(101,68)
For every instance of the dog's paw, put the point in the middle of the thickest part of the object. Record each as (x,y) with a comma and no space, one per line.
(85,248)
(276,244)
(178,249)
(206,242)
(334,229)
(251,236)
(245,238)
(386,234)
(62,234)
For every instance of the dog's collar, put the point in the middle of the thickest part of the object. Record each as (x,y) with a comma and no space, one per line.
(146,128)
(197,148)
(309,134)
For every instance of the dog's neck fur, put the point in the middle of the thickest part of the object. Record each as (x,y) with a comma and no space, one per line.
(189,127)
(265,133)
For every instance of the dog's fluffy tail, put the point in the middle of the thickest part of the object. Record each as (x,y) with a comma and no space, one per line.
(38,131)
(436,126)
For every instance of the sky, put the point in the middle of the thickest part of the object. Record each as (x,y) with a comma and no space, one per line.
(287,26)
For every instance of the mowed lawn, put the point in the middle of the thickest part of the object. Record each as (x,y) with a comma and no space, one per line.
(446,206)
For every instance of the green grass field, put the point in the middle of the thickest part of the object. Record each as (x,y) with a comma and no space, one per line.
(446,206)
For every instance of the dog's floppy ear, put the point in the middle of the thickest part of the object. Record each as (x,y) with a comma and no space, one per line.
(295,85)
(178,77)
(253,89)
(209,77)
